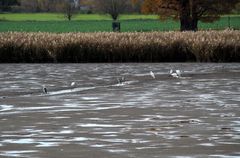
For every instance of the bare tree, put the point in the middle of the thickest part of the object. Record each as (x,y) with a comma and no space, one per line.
(112,7)
(68,7)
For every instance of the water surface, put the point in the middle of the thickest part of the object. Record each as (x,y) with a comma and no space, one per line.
(194,116)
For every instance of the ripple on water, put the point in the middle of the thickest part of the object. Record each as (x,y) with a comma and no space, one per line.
(207,144)
(19,141)
(225,156)
(66,132)
(18,153)
(45,144)
(99,125)
(4,108)
(117,150)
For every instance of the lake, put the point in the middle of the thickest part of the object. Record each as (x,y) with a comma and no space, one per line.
(196,115)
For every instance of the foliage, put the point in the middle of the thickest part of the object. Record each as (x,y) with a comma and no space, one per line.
(202,46)
(237,9)
(189,12)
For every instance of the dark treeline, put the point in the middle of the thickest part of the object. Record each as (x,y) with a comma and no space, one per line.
(85,6)
(6,5)
(36,5)
(82,6)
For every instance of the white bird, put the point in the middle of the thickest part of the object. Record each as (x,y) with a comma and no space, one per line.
(152,74)
(175,74)
(73,84)
(178,72)
(44,89)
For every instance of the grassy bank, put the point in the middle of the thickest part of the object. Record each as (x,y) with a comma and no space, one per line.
(202,46)
(56,23)
(60,17)
(86,26)
(106,25)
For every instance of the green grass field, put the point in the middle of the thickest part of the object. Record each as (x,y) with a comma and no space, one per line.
(60,17)
(46,22)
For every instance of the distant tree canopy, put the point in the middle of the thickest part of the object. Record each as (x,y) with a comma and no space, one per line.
(45,5)
(67,7)
(5,5)
(237,9)
(136,5)
(87,6)
(189,12)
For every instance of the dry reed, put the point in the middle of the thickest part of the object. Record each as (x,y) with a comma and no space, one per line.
(201,46)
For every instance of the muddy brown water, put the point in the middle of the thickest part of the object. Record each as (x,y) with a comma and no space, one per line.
(194,116)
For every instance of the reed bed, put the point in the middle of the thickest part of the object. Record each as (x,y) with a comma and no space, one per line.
(201,46)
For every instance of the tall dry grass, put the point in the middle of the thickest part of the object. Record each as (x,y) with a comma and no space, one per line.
(202,46)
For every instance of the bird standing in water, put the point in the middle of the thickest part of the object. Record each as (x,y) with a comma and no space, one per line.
(178,73)
(152,74)
(175,74)
(121,80)
(44,89)
(73,84)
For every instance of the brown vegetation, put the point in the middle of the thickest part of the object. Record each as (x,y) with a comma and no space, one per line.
(202,46)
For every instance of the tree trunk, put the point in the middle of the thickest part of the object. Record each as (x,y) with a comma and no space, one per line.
(188,18)
(69,14)
(189,24)
(185,15)
(69,17)
(185,24)
(194,24)
(114,15)
(194,19)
